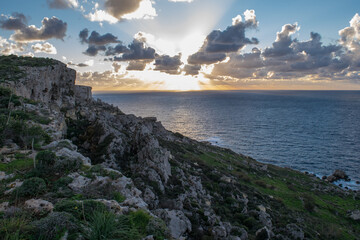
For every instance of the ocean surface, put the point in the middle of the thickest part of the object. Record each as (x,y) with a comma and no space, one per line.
(314,131)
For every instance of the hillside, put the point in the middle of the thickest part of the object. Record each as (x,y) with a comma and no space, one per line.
(72,167)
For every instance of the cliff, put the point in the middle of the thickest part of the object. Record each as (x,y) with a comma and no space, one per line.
(71,165)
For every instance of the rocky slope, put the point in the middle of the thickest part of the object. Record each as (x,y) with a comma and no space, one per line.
(71,165)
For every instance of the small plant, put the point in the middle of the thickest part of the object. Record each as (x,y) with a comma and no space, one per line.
(15,228)
(46,158)
(309,202)
(31,187)
(55,225)
(118,197)
(80,210)
(140,220)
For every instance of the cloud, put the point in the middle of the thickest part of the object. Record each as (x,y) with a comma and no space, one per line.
(189,1)
(117,10)
(96,42)
(218,43)
(109,80)
(44,48)
(192,69)
(118,49)
(88,63)
(137,50)
(7,48)
(137,65)
(62,4)
(96,39)
(51,28)
(291,59)
(15,22)
(168,64)
(93,50)
(116,67)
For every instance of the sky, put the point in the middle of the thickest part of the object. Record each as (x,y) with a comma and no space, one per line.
(180,45)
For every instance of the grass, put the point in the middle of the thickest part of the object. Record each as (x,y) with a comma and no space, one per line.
(21,162)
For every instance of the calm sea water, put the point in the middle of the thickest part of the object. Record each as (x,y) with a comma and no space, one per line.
(314,131)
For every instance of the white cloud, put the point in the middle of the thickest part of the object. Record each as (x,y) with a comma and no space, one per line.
(145,11)
(7,48)
(101,16)
(189,1)
(44,48)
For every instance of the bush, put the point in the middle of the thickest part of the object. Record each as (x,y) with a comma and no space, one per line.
(309,202)
(157,228)
(67,165)
(46,158)
(140,220)
(106,225)
(119,197)
(31,187)
(15,228)
(78,209)
(55,225)
(61,183)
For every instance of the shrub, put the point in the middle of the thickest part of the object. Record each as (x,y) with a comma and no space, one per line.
(157,228)
(46,158)
(61,183)
(15,228)
(31,187)
(55,225)
(106,225)
(140,220)
(118,197)
(309,202)
(78,209)
(67,165)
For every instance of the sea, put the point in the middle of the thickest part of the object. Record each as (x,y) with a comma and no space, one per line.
(313,131)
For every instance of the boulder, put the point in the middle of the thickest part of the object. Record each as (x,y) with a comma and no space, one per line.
(338,175)
(39,205)
(13,185)
(176,221)
(78,181)
(355,215)
(263,234)
(3,176)
(66,152)
(295,231)
(4,206)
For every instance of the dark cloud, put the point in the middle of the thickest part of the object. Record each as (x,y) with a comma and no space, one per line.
(137,50)
(93,50)
(15,22)
(118,8)
(116,67)
(138,65)
(232,39)
(58,4)
(192,69)
(281,46)
(168,64)
(118,49)
(77,65)
(97,39)
(206,58)
(51,28)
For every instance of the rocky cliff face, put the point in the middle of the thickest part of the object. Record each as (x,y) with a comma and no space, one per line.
(200,191)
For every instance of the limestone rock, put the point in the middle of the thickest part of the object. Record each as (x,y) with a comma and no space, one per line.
(4,176)
(355,215)
(66,152)
(4,206)
(78,181)
(176,221)
(13,185)
(338,175)
(295,231)
(39,205)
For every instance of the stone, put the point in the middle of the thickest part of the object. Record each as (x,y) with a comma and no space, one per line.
(295,231)
(13,185)
(65,152)
(338,175)
(59,144)
(262,234)
(39,205)
(136,202)
(355,215)
(4,206)
(3,176)
(175,220)
(78,181)
(219,232)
